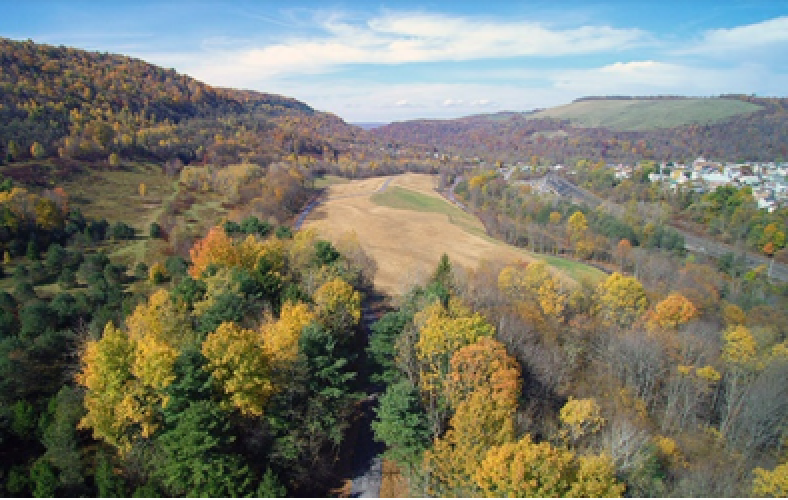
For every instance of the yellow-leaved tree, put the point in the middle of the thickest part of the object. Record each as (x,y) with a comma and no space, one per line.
(106,374)
(125,373)
(527,469)
(771,483)
(534,283)
(338,307)
(281,337)
(483,385)
(443,331)
(238,363)
(620,300)
(483,420)
(580,417)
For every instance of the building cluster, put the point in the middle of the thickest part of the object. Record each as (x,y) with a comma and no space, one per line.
(768,180)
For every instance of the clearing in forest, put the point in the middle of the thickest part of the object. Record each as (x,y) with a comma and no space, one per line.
(407,227)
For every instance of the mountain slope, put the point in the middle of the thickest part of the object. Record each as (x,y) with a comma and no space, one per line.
(645,114)
(726,128)
(88,105)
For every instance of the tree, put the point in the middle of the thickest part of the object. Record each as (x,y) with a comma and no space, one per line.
(194,460)
(528,469)
(113,160)
(108,484)
(44,479)
(534,283)
(382,348)
(106,374)
(37,151)
(577,225)
(443,273)
(402,424)
(60,437)
(443,331)
(338,307)
(282,336)
(237,361)
(620,300)
(771,483)
(155,231)
(12,151)
(486,365)
(580,417)
(673,311)
(481,421)
(623,253)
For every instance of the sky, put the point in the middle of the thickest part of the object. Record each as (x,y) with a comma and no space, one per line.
(392,61)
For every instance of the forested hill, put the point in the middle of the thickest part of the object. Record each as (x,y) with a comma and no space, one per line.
(617,129)
(73,103)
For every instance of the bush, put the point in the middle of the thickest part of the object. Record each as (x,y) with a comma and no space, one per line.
(141,271)
(231,228)
(24,292)
(67,279)
(55,256)
(122,231)
(284,233)
(35,318)
(157,274)
(156,231)
(21,273)
(176,266)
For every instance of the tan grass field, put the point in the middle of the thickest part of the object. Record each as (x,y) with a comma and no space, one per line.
(406,244)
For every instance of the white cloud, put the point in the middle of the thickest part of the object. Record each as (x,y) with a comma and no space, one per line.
(654,77)
(768,37)
(482,103)
(395,38)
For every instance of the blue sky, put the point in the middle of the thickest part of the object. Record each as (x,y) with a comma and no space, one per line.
(389,61)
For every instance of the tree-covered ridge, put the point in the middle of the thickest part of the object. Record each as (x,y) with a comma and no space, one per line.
(542,139)
(66,102)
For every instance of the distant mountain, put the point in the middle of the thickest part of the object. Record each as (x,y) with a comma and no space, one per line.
(627,114)
(370,125)
(613,129)
(88,105)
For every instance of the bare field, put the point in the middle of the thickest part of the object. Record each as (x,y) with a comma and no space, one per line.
(406,244)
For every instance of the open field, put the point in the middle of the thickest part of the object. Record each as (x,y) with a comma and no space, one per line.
(645,114)
(114,194)
(407,228)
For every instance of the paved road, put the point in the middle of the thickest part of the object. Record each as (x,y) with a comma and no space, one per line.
(692,243)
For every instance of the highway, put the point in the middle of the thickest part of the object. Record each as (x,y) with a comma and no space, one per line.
(693,243)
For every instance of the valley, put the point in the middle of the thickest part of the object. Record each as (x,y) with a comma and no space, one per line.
(406,227)
(214,292)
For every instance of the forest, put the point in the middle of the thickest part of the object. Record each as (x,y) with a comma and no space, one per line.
(664,378)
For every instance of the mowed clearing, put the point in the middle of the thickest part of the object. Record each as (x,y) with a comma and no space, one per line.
(407,228)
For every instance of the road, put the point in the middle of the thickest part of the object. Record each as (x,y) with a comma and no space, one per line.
(692,243)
